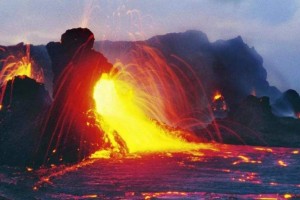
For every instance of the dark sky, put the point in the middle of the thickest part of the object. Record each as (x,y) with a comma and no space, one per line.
(271,26)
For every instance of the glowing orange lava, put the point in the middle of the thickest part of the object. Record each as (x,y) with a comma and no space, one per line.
(295,152)
(145,105)
(217,96)
(287,196)
(121,109)
(22,67)
(282,163)
(13,67)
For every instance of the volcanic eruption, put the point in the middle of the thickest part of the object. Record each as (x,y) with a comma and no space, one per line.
(139,113)
(120,106)
(98,106)
(149,103)
(22,66)
(23,102)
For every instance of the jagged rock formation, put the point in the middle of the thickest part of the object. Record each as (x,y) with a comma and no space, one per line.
(70,132)
(62,53)
(35,130)
(253,123)
(240,72)
(287,104)
(24,104)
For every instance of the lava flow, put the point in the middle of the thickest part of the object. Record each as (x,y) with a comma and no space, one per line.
(120,106)
(144,105)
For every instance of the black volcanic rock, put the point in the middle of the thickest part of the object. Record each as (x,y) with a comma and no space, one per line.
(183,44)
(71,132)
(24,104)
(253,112)
(287,104)
(240,72)
(62,53)
(253,123)
(23,91)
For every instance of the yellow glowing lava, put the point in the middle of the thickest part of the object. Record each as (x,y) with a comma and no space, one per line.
(217,96)
(117,104)
(20,67)
(287,196)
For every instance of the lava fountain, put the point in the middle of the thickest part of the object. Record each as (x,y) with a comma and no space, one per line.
(20,67)
(144,105)
(120,106)
(118,109)
(13,66)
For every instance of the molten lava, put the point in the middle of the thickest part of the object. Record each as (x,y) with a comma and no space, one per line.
(13,67)
(22,67)
(217,96)
(120,106)
(218,103)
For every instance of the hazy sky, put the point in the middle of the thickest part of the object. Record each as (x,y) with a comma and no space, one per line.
(271,26)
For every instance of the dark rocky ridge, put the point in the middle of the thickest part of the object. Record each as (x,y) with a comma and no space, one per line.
(287,104)
(25,103)
(228,66)
(253,123)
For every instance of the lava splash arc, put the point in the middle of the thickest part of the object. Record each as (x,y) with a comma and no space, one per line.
(20,67)
(121,108)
